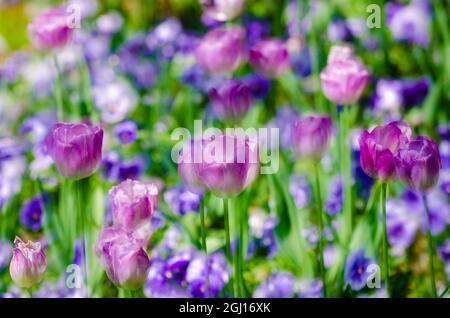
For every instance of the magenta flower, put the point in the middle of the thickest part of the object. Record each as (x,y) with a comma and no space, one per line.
(378,147)
(223,164)
(269,57)
(222,10)
(133,204)
(221,50)
(311,136)
(123,257)
(231,100)
(76,149)
(51,29)
(418,163)
(344,77)
(28,263)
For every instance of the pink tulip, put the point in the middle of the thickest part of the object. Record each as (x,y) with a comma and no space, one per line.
(28,263)
(133,204)
(269,57)
(51,29)
(123,257)
(223,164)
(222,10)
(345,76)
(221,50)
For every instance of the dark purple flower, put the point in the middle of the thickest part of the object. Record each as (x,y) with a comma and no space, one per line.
(126,132)
(262,231)
(278,285)
(259,85)
(31,214)
(338,31)
(181,200)
(333,203)
(301,62)
(131,169)
(418,163)
(444,251)
(231,100)
(256,30)
(110,165)
(356,273)
(378,147)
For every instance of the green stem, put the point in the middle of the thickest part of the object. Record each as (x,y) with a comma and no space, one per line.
(321,236)
(205,249)
(58,90)
(240,251)
(226,203)
(346,172)
(385,238)
(79,185)
(430,246)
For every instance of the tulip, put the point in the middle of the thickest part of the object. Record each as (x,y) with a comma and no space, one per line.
(223,10)
(123,257)
(418,163)
(230,101)
(76,149)
(378,147)
(223,164)
(344,77)
(311,136)
(133,204)
(221,50)
(28,263)
(51,29)
(269,57)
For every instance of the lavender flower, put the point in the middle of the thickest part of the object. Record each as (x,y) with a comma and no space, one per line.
(310,288)
(181,200)
(278,285)
(333,203)
(300,191)
(5,253)
(126,132)
(259,85)
(356,273)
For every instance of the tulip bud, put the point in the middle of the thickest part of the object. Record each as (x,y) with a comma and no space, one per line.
(222,10)
(344,77)
(311,136)
(378,147)
(223,164)
(230,101)
(50,29)
(28,263)
(76,149)
(418,163)
(221,50)
(133,203)
(269,57)
(123,257)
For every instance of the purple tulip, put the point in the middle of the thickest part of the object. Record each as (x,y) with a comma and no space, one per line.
(51,29)
(221,50)
(223,164)
(133,204)
(418,163)
(231,100)
(124,258)
(311,136)
(344,77)
(223,10)
(28,263)
(269,57)
(76,149)
(378,147)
